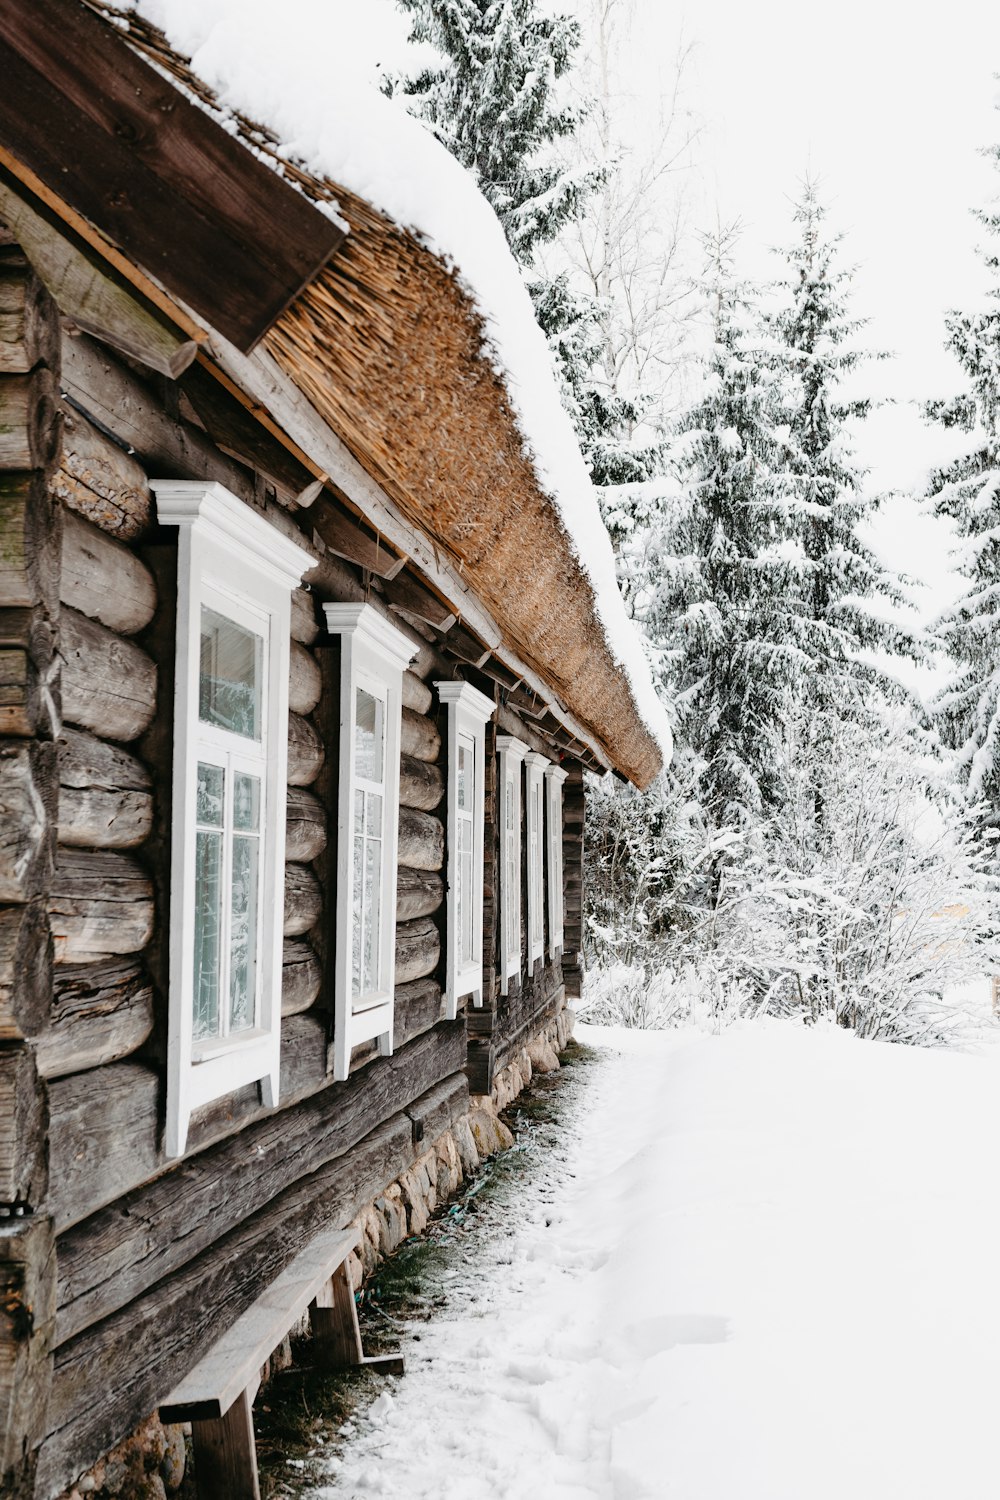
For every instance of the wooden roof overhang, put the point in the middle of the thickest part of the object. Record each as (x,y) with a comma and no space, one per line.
(159,178)
(374,381)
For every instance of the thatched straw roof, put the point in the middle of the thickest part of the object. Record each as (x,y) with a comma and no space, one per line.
(388,348)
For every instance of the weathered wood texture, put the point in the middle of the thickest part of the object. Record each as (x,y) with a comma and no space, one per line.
(29,541)
(28,792)
(419,736)
(104,579)
(439,1108)
(418,949)
(100,481)
(29,674)
(25,970)
(304,681)
(421,784)
(418,893)
(225,1453)
(346,537)
(416,694)
(305,626)
(305,825)
(29,420)
(105,794)
(27,1325)
(136,1356)
(100,1014)
(24,1154)
(573,893)
(101,904)
(108,684)
(305,751)
(29,324)
(301,977)
(421,840)
(112,1257)
(303,900)
(418,1007)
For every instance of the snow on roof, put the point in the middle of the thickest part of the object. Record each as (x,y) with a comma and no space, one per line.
(278,63)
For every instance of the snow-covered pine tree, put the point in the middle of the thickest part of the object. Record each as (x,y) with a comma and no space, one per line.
(968,490)
(725,611)
(496,101)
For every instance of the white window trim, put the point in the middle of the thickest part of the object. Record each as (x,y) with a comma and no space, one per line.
(226,552)
(511,752)
(374,655)
(468,714)
(554,778)
(534,771)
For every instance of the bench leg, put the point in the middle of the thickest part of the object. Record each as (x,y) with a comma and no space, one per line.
(225,1454)
(334,1320)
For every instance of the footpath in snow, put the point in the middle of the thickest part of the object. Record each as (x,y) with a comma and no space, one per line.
(759,1266)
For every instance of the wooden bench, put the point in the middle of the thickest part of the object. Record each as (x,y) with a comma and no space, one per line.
(217,1396)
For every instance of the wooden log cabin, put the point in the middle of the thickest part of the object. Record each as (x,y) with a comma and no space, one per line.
(273,912)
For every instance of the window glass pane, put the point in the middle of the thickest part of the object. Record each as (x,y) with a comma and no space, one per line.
(243,935)
(465,772)
(231,681)
(358,916)
(368,735)
(359,812)
(465,902)
(209,796)
(246,803)
(207,933)
(374,815)
(373,909)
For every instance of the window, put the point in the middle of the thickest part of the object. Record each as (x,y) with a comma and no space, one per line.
(235,574)
(554,778)
(534,766)
(468,711)
(374,655)
(512,753)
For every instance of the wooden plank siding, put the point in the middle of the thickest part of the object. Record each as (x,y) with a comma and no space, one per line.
(156,175)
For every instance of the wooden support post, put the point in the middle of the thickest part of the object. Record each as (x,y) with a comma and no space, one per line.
(225,1454)
(27,1323)
(333,1318)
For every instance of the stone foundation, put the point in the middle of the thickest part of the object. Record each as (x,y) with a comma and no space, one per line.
(149,1465)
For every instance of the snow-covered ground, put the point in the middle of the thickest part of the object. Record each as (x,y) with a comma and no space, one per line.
(757,1266)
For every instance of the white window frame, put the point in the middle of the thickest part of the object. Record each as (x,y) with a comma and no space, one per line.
(373,656)
(230,559)
(469,711)
(511,753)
(554,778)
(534,772)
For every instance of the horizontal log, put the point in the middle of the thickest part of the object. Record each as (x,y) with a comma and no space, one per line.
(305,626)
(29,319)
(417,1008)
(137,1355)
(305,825)
(419,736)
(29,542)
(108,684)
(100,481)
(303,900)
(115,1256)
(28,792)
(418,893)
(100,1014)
(421,840)
(418,949)
(29,420)
(105,801)
(347,538)
(301,977)
(29,674)
(304,681)
(421,784)
(437,1110)
(25,970)
(101,904)
(405,593)
(104,579)
(305,751)
(81,283)
(27,1328)
(416,694)
(24,1119)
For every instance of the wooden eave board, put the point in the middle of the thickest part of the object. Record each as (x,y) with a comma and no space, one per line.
(234,1361)
(153,172)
